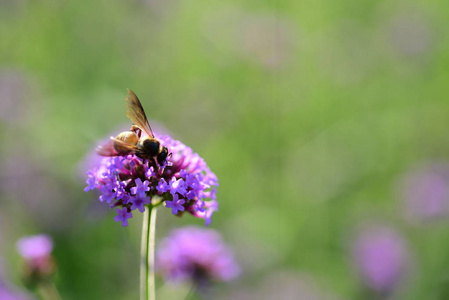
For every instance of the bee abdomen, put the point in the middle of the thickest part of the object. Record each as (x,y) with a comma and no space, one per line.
(129,137)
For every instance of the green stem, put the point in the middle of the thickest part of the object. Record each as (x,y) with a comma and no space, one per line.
(147,278)
(191,292)
(152,247)
(47,291)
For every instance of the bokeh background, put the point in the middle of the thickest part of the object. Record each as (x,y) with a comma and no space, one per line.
(325,122)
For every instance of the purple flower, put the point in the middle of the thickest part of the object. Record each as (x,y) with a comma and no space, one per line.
(197,254)
(184,182)
(36,246)
(8,292)
(91,182)
(177,186)
(140,188)
(213,207)
(204,210)
(150,173)
(175,205)
(123,216)
(425,193)
(36,251)
(162,186)
(121,193)
(107,193)
(139,203)
(381,257)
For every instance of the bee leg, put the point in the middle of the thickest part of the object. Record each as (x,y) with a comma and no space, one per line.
(155,165)
(137,130)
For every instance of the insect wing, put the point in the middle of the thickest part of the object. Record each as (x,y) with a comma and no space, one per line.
(136,113)
(110,148)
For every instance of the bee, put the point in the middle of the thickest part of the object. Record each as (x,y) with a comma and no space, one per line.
(131,142)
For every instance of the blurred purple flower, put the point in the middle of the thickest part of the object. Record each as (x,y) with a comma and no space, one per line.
(38,261)
(197,254)
(36,246)
(425,193)
(381,257)
(183,183)
(7,290)
(9,293)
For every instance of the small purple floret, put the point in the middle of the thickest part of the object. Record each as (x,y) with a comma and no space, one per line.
(177,186)
(175,205)
(139,203)
(107,193)
(91,182)
(162,186)
(140,188)
(123,216)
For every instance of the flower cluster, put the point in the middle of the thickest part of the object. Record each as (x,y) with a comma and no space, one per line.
(381,257)
(38,261)
(425,193)
(195,253)
(8,292)
(183,183)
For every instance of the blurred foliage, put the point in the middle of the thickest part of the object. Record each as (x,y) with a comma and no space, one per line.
(307,111)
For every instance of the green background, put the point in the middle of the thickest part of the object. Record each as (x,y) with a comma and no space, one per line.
(309,113)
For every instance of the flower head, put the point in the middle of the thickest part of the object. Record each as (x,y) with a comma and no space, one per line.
(8,292)
(195,253)
(381,257)
(184,183)
(35,247)
(38,261)
(425,193)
